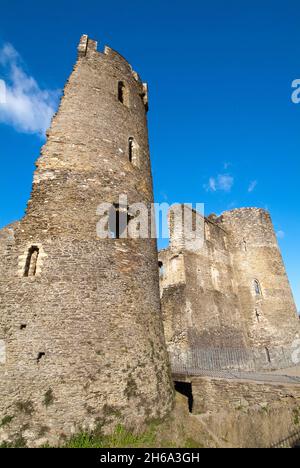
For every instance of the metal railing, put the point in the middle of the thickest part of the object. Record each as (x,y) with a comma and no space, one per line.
(194,360)
(212,359)
(292,441)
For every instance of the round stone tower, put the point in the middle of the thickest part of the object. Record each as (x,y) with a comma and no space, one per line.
(263,288)
(81,327)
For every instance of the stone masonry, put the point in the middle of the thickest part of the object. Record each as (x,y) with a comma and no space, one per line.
(82,334)
(231,295)
(81,331)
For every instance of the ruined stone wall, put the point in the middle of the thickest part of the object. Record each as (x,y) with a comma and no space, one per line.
(265,296)
(83,335)
(215,319)
(210,294)
(246,414)
(7,240)
(199,292)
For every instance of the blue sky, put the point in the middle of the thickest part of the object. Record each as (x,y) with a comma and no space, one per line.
(223,129)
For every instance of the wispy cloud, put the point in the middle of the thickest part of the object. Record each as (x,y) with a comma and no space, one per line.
(280,234)
(26,106)
(212,184)
(164,195)
(222,182)
(232,204)
(252,186)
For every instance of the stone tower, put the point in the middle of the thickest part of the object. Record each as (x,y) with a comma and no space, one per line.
(262,285)
(81,337)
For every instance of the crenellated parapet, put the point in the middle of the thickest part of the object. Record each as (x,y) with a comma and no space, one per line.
(88,47)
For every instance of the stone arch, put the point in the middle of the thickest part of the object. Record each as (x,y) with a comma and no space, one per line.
(31,261)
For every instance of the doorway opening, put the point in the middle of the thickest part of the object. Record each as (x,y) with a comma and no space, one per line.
(185,388)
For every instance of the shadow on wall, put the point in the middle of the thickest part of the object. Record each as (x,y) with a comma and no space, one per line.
(185,388)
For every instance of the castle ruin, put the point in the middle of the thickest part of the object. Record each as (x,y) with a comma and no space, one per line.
(230,300)
(82,333)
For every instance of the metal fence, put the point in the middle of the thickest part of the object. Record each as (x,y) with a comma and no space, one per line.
(195,360)
(212,359)
(292,441)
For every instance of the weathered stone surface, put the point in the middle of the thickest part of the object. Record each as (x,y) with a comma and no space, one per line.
(86,328)
(246,414)
(209,296)
(81,331)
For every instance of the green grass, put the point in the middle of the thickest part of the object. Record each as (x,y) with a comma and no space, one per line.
(296,417)
(18,443)
(48,398)
(121,438)
(191,443)
(171,432)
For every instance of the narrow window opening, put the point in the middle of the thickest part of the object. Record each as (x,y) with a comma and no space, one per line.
(185,388)
(23,326)
(119,219)
(257,288)
(268,355)
(123,95)
(133,152)
(39,357)
(161,269)
(194,220)
(130,149)
(31,261)
(2,352)
(121,91)
(245,245)
(257,314)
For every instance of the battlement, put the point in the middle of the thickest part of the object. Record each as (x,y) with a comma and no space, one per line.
(245,212)
(176,229)
(186,226)
(245,209)
(238,226)
(88,46)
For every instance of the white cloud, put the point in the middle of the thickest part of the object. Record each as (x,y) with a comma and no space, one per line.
(222,182)
(252,185)
(232,204)
(280,234)
(225,182)
(27,107)
(212,185)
